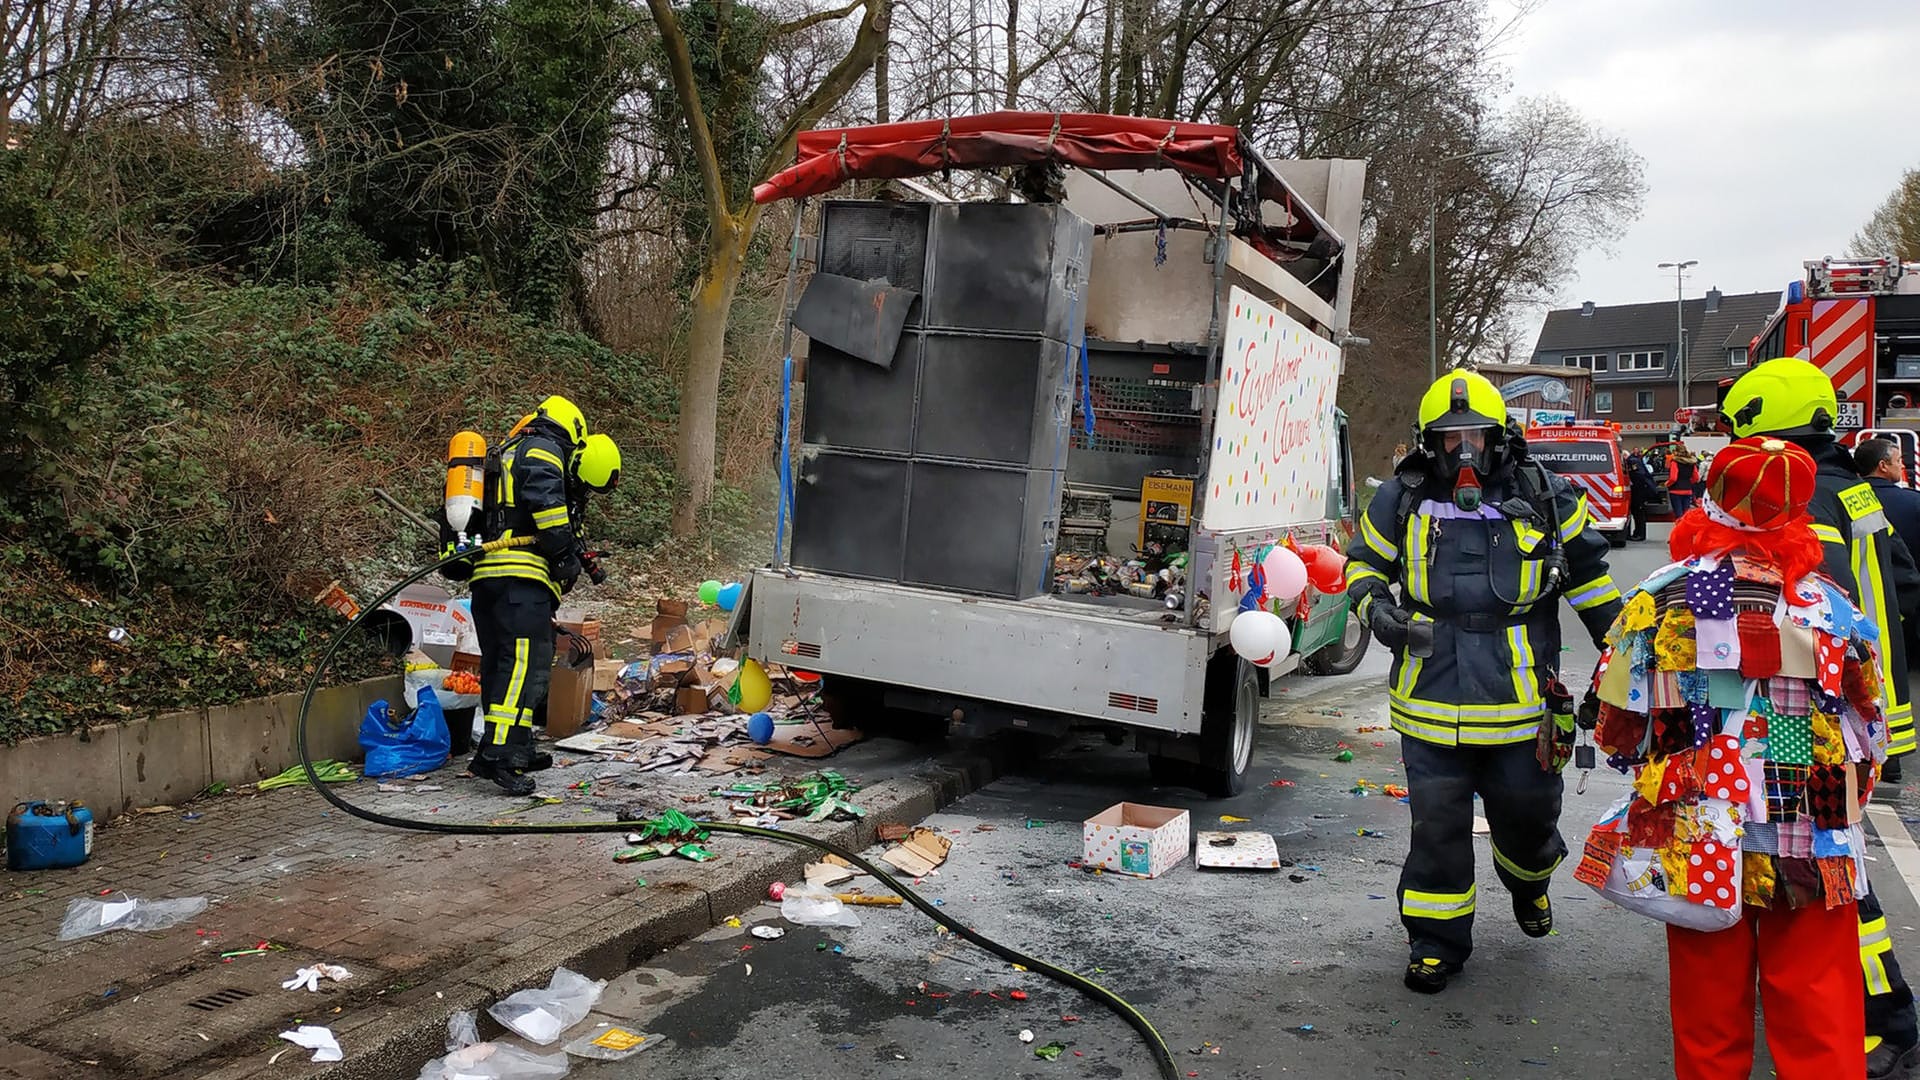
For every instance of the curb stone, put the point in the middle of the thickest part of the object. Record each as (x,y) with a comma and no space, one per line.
(412,1030)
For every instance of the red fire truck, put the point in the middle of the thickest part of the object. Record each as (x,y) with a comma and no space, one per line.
(1859,320)
(1586,453)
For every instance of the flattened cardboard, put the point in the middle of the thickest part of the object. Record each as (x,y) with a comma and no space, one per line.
(606,675)
(1236,851)
(812,740)
(1136,839)
(569,695)
(920,853)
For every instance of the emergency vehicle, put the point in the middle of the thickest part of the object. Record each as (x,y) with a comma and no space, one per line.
(1587,454)
(1859,321)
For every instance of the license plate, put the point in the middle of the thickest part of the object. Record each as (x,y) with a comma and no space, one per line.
(1853,414)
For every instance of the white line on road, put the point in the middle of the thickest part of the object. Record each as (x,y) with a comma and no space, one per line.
(1900,846)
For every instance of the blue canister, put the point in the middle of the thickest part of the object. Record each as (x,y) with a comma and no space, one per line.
(48,835)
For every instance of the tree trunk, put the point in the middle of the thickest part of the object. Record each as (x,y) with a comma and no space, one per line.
(700,384)
(1106,56)
(882,106)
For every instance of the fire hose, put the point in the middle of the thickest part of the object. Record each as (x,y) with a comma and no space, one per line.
(1163,1057)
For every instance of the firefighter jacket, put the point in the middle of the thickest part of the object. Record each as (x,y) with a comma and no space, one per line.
(1868,557)
(1481,579)
(529,498)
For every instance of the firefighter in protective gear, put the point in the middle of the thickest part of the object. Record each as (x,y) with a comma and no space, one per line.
(1480,542)
(1794,400)
(534,491)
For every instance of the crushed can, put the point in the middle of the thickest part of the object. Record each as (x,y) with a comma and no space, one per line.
(49,835)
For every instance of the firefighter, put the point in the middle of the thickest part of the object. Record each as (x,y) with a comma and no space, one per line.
(1794,399)
(546,465)
(1480,541)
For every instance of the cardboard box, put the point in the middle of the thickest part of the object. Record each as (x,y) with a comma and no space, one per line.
(606,675)
(569,695)
(465,661)
(1134,839)
(690,700)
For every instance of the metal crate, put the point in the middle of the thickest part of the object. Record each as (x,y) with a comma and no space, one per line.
(1083,540)
(1086,508)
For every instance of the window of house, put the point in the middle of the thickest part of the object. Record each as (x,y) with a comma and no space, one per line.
(1640,361)
(1590,361)
(1643,401)
(1603,401)
(1736,358)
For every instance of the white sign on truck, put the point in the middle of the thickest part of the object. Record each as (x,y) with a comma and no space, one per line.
(1273,428)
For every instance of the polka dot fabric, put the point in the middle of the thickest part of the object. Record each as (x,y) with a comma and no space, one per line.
(1713,874)
(1722,774)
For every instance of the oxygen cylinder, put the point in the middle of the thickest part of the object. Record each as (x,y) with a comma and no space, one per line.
(466,479)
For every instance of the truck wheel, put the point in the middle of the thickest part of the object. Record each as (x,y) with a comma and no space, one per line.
(1340,657)
(1230,716)
(1616,539)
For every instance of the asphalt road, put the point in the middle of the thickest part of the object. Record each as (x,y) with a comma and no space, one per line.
(1245,975)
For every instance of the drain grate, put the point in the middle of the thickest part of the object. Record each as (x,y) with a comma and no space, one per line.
(219,999)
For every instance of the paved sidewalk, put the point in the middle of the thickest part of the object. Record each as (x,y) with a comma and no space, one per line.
(428,924)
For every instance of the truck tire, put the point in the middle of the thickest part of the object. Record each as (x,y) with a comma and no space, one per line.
(1616,539)
(1230,717)
(1339,657)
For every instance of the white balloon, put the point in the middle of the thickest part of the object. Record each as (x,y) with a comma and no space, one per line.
(1286,574)
(1260,637)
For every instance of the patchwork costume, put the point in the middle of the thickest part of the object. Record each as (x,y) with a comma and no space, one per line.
(1741,689)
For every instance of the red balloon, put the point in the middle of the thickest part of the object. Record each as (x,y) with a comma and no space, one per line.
(1326,568)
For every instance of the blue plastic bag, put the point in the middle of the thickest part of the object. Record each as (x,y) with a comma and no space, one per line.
(407,745)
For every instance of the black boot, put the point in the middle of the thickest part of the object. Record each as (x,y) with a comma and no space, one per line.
(495,761)
(1535,915)
(1891,1059)
(1429,975)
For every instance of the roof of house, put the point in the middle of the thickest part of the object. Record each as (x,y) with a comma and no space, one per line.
(1740,315)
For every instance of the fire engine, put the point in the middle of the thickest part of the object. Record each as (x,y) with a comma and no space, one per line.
(1859,320)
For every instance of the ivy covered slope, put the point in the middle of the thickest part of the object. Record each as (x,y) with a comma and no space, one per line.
(192,459)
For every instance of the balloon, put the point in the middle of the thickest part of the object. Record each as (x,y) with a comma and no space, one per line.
(1326,568)
(1260,637)
(752,691)
(1286,574)
(729,596)
(709,592)
(760,728)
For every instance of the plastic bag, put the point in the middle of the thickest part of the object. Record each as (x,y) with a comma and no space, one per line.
(463,1029)
(1634,884)
(811,905)
(416,744)
(88,916)
(541,1015)
(495,1061)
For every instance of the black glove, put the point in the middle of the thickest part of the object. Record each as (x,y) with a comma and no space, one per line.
(1587,717)
(1389,623)
(566,572)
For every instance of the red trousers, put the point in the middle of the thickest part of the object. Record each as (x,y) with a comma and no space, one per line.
(1806,963)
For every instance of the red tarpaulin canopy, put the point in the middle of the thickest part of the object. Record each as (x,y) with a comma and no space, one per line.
(829,157)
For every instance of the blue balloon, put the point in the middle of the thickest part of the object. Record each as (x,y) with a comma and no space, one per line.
(730,595)
(760,728)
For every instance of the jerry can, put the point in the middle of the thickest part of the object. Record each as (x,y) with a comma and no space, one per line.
(48,835)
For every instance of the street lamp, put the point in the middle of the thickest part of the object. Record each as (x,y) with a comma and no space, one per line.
(1433,274)
(1680,324)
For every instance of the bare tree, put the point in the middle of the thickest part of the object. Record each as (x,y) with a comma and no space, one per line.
(1894,228)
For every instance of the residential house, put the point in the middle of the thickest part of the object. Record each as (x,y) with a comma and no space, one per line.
(1630,349)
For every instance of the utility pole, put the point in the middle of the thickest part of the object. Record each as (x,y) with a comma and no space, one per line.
(1680,325)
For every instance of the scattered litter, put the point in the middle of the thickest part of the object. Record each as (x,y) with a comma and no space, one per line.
(1281,783)
(1026,1036)
(1395,790)
(733,921)
(1069,1019)
(1036,823)
(811,905)
(1367,729)
(328,770)
(768,933)
(863,900)
(1343,756)
(1018,995)
(919,853)
(309,977)
(611,1042)
(495,1061)
(1308,1028)
(161,809)
(1375,833)
(891,833)
(1229,819)
(86,917)
(827,876)
(541,1015)
(318,1039)
(777,891)
(1480,826)
(1049,1052)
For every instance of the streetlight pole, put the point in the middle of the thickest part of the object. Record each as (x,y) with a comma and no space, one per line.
(1433,264)
(1680,325)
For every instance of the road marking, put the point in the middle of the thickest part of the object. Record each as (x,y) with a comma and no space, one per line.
(1900,846)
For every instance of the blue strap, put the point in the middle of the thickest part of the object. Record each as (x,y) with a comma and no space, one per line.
(786,462)
(1086,387)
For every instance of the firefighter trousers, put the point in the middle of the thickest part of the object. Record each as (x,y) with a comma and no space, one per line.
(1522,800)
(1890,1014)
(513,618)
(1797,960)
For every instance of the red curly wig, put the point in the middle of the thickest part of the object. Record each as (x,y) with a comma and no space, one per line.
(1792,548)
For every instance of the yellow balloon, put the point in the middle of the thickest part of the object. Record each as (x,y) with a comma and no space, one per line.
(755,689)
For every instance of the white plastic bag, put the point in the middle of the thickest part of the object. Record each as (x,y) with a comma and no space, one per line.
(541,1015)
(422,671)
(470,1059)
(91,915)
(811,905)
(1633,884)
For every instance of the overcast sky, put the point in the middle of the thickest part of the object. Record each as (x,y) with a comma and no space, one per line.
(1771,129)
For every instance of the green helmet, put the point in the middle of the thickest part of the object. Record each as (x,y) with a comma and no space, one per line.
(1462,399)
(1783,396)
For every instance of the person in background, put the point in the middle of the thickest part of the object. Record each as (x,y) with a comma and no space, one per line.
(1642,493)
(1878,462)
(1683,473)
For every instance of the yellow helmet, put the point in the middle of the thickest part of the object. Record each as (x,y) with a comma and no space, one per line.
(598,463)
(566,414)
(1462,399)
(1783,396)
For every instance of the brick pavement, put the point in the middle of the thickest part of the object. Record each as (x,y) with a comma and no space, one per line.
(411,913)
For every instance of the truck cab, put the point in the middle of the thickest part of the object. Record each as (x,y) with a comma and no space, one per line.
(1587,454)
